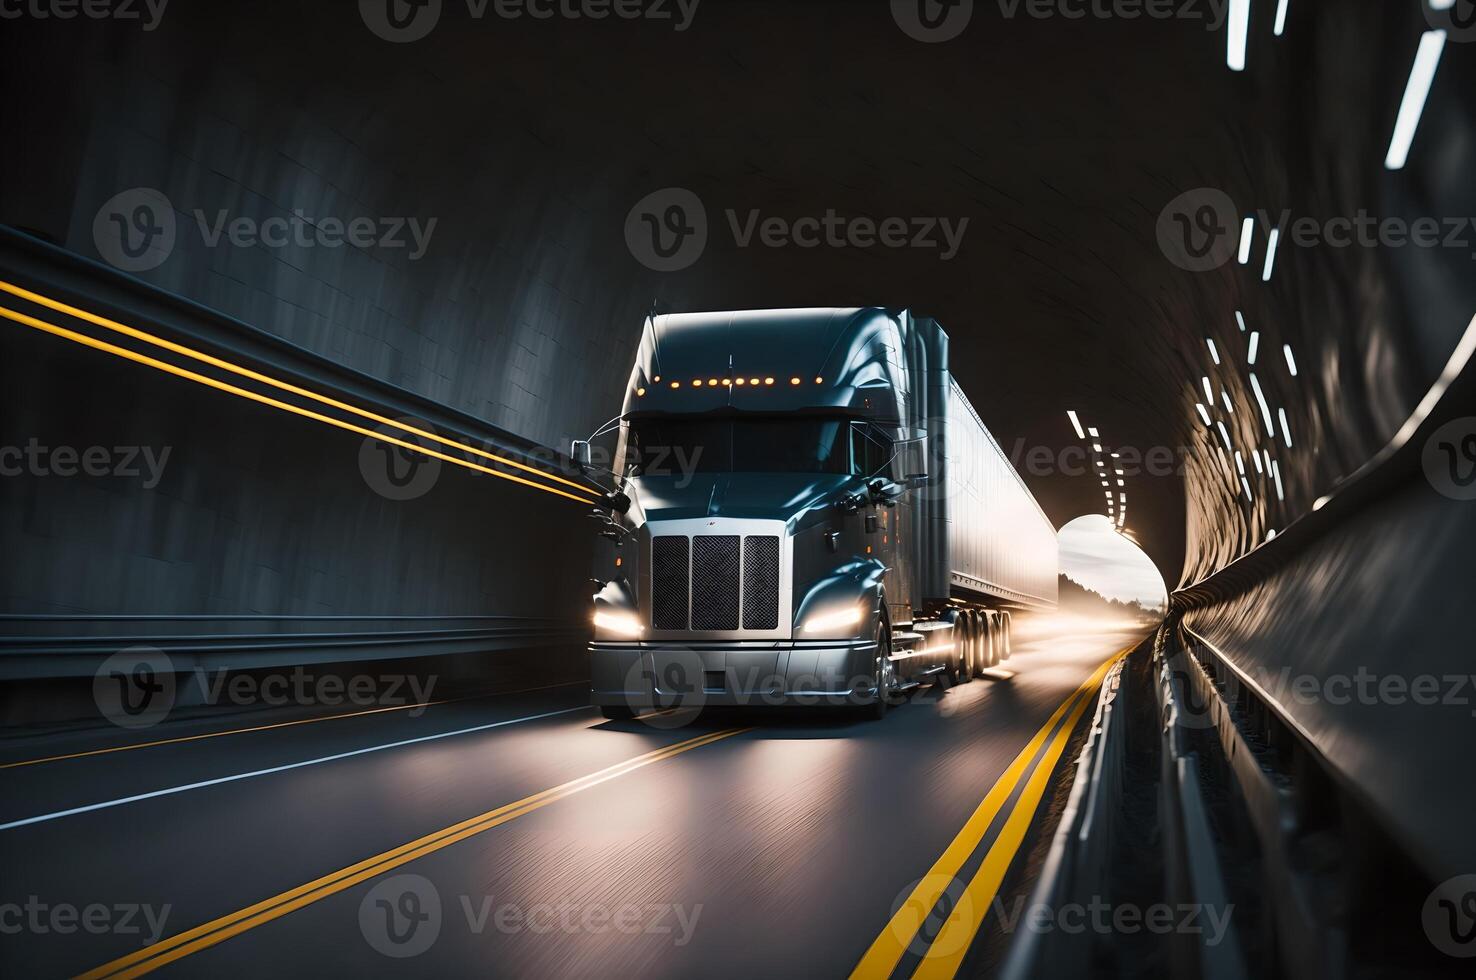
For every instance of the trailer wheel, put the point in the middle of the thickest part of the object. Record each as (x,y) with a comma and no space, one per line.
(886,679)
(992,657)
(966,648)
(1007,641)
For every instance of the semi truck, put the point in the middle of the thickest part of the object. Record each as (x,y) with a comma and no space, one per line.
(803,508)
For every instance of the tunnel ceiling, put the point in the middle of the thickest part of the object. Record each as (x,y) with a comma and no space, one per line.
(1060,142)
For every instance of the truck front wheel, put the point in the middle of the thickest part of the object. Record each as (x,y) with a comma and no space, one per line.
(886,678)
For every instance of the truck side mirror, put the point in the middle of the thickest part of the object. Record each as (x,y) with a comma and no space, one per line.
(579,452)
(911,462)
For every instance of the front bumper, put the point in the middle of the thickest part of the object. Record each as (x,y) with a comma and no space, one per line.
(732,673)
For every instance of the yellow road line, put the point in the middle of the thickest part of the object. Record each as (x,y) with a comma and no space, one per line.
(886,950)
(952,943)
(137,334)
(168,368)
(218,930)
(263,728)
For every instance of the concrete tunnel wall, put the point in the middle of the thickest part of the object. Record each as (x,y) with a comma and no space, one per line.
(528,148)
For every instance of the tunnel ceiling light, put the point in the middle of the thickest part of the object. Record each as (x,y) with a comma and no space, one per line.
(1276,475)
(1256,459)
(1255,347)
(712,382)
(1247,233)
(1096,447)
(1229,405)
(1280,27)
(1209,390)
(1240,320)
(1239,463)
(1270,254)
(794,381)
(727,382)
(1104,483)
(1115,455)
(1124,498)
(1266,454)
(1291,361)
(1120,483)
(1118,471)
(1265,409)
(676,384)
(1225,436)
(1203,412)
(741,381)
(1245,485)
(1092,432)
(1416,91)
(1076,424)
(1286,435)
(1237,31)
(1214,351)
(768,381)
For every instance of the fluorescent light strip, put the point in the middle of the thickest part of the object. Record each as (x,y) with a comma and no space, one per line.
(148,338)
(1225,435)
(1291,362)
(1229,405)
(1236,33)
(1245,485)
(180,372)
(1092,433)
(1209,391)
(1416,91)
(1265,409)
(1240,320)
(1203,412)
(1214,351)
(1276,473)
(1255,347)
(1285,429)
(1239,463)
(1280,18)
(1076,424)
(1247,232)
(1256,458)
(1270,254)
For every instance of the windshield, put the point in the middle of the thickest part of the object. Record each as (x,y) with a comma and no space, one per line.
(658,447)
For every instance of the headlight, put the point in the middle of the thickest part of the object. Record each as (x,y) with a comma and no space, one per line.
(829,622)
(623,624)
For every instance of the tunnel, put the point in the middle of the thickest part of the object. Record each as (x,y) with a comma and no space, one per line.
(309,308)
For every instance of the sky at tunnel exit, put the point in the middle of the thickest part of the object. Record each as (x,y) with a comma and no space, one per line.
(1096,556)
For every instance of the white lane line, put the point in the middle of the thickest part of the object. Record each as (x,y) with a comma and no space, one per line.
(42,818)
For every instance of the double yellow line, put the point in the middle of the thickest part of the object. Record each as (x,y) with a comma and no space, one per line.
(160,365)
(219,930)
(946,952)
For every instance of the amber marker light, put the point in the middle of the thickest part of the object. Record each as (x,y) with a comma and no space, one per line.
(752,381)
(768,381)
(640,392)
(794,381)
(676,384)
(712,382)
(818,380)
(740,381)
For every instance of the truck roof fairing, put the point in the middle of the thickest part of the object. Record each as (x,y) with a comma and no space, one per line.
(847,359)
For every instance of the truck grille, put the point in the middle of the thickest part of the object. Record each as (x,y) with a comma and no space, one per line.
(760,583)
(715,576)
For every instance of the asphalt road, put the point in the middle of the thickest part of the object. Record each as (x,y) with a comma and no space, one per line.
(523,835)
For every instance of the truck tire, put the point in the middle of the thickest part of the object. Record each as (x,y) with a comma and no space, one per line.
(1007,641)
(966,648)
(991,657)
(885,678)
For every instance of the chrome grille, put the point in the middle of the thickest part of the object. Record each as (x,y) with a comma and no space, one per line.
(669,582)
(760,582)
(715,582)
